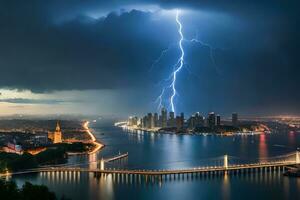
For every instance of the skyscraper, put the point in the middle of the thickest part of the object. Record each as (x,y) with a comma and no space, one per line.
(191,122)
(218,120)
(164,117)
(172,120)
(179,124)
(211,120)
(182,118)
(150,120)
(156,124)
(199,120)
(234,119)
(144,122)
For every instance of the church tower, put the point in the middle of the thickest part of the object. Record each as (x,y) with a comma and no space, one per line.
(56,136)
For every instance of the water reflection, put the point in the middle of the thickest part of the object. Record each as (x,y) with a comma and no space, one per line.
(160,151)
(226,187)
(93,161)
(262,148)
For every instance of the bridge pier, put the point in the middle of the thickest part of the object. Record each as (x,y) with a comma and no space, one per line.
(225,161)
(297,157)
(102,164)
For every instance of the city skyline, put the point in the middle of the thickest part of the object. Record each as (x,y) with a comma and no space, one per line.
(164,119)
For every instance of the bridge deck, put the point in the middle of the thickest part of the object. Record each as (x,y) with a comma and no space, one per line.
(117,157)
(158,172)
(226,167)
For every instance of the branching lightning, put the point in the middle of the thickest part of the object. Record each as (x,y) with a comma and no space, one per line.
(180,62)
(159,99)
(163,52)
(169,84)
(211,51)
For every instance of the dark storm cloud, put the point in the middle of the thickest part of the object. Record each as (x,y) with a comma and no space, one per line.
(57,45)
(83,53)
(32,101)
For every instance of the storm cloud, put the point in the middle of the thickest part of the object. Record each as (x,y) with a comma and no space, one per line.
(81,45)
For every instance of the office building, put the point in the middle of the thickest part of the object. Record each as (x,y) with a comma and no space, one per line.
(211,120)
(234,119)
(171,121)
(164,118)
(218,120)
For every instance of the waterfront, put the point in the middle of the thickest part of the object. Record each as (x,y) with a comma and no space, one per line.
(163,151)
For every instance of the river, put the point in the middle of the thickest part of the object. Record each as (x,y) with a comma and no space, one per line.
(164,151)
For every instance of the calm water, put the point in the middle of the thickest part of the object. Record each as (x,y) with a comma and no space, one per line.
(151,151)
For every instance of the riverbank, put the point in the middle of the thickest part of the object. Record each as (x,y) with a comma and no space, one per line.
(161,131)
(98,145)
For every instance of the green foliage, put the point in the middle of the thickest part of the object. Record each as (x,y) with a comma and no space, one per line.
(36,192)
(54,155)
(25,161)
(74,147)
(10,191)
(15,162)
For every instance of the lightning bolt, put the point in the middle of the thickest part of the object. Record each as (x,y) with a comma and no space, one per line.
(163,52)
(159,99)
(170,89)
(211,51)
(179,63)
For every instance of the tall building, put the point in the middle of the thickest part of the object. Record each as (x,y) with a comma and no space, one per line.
(196,120)
(156,122)
(211,120)
(191,122)
(182,118)
(179,124)
(218,120)
(56,136)
(133,121)
(159,121)
(150,121)
(199,120)
(144,122)
(164,117)
(234,119)
(172,121)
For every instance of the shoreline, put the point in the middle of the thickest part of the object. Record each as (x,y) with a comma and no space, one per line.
(98,145)
(156,131)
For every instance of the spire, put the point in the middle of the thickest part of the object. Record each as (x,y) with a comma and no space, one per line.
(57,127)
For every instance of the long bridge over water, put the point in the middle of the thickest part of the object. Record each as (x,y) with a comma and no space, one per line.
(268,164)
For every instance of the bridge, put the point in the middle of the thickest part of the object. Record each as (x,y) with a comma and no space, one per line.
(111,159)
(269,164)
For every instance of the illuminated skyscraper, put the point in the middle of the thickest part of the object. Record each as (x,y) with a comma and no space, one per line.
(211,120)
(150,121)
(144,122)
(133,121)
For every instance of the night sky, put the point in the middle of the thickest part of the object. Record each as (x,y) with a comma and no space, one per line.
(96,57)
